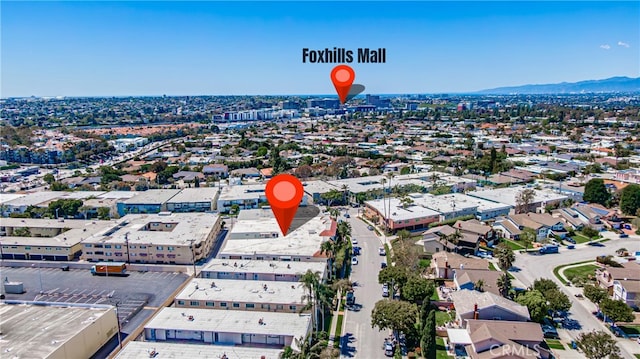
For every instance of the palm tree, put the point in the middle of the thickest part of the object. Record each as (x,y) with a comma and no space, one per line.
(329,248)
(345,193)
(479,285)
(504,284)
(344,231)
(311,280)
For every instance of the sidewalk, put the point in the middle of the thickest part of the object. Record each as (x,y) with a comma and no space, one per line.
(334,322)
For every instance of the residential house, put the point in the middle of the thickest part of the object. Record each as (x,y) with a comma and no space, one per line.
(443,264)
(543,224)
(505,339)
(216,170)
(619,282)
(434,239)
(471,304)
(466,279)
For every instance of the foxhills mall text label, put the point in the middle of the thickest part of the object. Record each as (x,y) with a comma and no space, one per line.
(341,56)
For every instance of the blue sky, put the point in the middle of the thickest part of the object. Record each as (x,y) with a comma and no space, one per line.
(84,48)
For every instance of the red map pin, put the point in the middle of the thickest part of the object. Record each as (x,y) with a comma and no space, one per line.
(342,77)
(284,193)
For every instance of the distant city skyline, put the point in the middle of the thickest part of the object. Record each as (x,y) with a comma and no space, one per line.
(89,49)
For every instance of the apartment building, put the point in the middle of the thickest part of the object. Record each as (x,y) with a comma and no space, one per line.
(261,270)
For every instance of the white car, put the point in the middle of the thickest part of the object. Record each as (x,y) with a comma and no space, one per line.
(354,261)
(354,241)
(382,251)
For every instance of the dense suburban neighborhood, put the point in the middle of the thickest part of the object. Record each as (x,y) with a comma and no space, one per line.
(430,226)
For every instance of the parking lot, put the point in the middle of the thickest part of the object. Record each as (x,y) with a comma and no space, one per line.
(131,294)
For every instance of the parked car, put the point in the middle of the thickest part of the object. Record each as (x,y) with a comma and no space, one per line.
(388,349)
(354,241)
(383,265)
(370,228)
(354,261)
(356,250)
(570,240)
(346,215)
(550,332)
(382,251)
(624,235)
(385,291)
(579,296)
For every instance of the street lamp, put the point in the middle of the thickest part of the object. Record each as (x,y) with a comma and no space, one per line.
(57,209)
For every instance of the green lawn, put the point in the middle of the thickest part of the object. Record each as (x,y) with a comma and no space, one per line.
(336,342)
(492,266)
(579,238)
(444,317)
(441,352)
(555,344)
(581,271)
(513,245)
(557,269)
(630,329)
(637,355)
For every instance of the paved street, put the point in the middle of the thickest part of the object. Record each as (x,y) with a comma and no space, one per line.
(359,340)
(528,268)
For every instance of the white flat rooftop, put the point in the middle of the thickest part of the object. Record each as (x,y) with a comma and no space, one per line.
(231,321)
(508,195)
(267,267)
(303,241)
(244,291)
(191,195)
(239,192)
(137,350)
(153,196)
(189,226)
(35,331)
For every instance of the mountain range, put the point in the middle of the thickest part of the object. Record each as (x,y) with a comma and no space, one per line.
(613,84)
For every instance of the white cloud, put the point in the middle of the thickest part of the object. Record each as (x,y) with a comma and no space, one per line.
(624,44)
(605,46)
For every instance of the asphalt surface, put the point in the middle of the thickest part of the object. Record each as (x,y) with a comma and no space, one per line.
(527,268)
(131,294)
(358,339)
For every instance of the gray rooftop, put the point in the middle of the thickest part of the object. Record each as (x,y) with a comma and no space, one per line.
(243,291)
(191,195)
(35,331)
(255,266)
(196,226)
(137,350)
(232,321)
(153,196)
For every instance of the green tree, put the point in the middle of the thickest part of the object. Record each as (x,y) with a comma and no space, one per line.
(59,186)
(49,178)
(630,199)
(262,151)
(527,237)
(596,192)
(417,288)
(535,303)
(557,301)
(505,256)
(616,310)
(405,170)
(394,276)
(543,285)
(104,213)
(598,345)
(22,232)
(397,315)
(524,199)
(64,207)
(428,340)
(504,284)
(590,232)
(331,196)
(595,294)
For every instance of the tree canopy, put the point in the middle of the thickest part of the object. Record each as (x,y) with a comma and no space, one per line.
(616,310)
(630,199)
(598,345)
(596,192)
(396,315)
(595,294)
(505,256)
(536,303)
